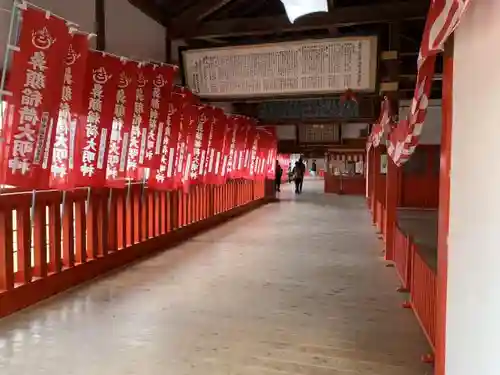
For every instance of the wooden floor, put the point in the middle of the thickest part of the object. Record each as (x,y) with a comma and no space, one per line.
(296,287)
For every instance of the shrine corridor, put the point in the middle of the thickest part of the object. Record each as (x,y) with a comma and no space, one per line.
(296,287)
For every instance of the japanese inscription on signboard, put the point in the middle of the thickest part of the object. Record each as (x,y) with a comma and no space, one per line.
(290,68)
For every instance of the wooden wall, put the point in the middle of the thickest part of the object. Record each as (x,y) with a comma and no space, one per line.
(420,179)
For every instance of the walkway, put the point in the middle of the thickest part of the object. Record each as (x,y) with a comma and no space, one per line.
(293,288)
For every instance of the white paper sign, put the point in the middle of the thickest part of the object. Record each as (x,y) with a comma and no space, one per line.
(289,68)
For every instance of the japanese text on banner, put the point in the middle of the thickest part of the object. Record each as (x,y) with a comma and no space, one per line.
(33,106)
(99,97)
(62,169)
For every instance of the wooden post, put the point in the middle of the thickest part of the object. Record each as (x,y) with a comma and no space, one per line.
(444,208)
(393,178)
(100,24)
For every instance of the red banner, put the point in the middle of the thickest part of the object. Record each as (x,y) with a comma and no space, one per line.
(94,127)
(254,150)
(200,144)
(63,154)
(241,148)
(36,81)
(140,121)
(186,100)
(231,139)
(162,91)
(180,151)
(164,177)
(189,121)
(207,174)
(116,175)
(216,143)
(251,135)
(229,132)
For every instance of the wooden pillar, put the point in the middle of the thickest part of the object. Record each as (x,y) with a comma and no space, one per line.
(444,208)
(392,188)
(168,47)
(100,24)
(369,181)
(393,178)
(376,185)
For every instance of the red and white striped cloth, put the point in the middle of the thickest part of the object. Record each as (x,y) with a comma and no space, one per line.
(382,126)
(442,19)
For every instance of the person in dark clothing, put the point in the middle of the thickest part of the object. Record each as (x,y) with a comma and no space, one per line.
(299,171)
(313,168)
(277,177)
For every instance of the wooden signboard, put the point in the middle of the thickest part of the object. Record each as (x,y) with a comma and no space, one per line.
(325,108)
(307,67)
(319,133)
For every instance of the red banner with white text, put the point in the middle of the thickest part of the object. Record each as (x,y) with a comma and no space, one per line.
(216,143)
(63,153)
(227,148)
(164,178)
(123,117)
(251,136)
(94,126)
(200,144)
(36,81)
(231,144)
(161,94)
(189,120)
(140,121)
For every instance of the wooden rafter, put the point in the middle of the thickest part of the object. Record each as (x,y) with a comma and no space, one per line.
(150,9)
(342,16)
(196,14)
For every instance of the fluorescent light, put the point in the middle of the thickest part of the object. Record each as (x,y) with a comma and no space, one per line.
(298,8)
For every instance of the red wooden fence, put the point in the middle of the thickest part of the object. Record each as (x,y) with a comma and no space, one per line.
(423,296)
(61,242)
(402,257)
(419,280)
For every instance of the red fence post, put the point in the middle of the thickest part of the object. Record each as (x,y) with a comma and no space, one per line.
(68,232)
(40,239)
(80,232)
(102,223)
(6,250)
(24,273)
(115,224)
(92,227)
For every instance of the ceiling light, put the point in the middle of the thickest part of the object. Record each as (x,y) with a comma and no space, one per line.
(298,8)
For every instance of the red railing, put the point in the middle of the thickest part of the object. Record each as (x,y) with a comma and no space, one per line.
(65,239)
(402,257)
(423,295)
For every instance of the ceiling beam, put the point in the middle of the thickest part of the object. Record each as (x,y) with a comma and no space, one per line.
(331,5)
(341,16)
(150,9)
(196,14)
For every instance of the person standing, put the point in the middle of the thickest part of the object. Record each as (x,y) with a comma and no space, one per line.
(298,172)
(278,173)
(313,168)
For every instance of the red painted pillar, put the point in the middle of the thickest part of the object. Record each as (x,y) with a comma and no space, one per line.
(375,172)
(369,177)
(444,209)
(392,191)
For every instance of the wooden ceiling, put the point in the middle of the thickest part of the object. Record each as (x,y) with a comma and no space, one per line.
(217,23)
